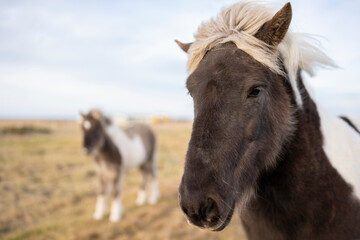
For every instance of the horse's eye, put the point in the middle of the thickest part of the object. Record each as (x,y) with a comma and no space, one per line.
(254,92)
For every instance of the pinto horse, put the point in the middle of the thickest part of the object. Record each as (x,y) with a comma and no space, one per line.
(259,141)
(115,151)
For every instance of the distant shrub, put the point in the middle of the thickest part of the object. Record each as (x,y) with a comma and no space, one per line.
(25,130)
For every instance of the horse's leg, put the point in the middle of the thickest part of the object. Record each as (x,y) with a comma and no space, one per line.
(142,194)
(102,198)
(155,194)
(116,207)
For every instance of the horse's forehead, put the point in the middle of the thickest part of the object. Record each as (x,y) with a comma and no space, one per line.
(86,124)
(227,61)
(214,62)
(223,53)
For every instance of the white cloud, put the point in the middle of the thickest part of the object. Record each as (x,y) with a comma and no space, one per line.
(55,56)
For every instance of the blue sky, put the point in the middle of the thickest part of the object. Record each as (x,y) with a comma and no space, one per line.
(59,57)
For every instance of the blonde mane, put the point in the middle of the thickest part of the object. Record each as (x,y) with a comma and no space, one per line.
(99,115)
(239,23)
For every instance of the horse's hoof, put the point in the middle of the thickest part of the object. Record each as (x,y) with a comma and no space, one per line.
(115,218)
(140,202)
(141,199)
(97,216)
(153,200)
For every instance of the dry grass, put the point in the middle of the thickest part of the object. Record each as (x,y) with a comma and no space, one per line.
(47,189)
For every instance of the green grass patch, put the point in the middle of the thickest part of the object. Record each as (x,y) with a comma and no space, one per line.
(24,130)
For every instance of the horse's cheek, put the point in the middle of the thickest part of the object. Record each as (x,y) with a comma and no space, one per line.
(253,129)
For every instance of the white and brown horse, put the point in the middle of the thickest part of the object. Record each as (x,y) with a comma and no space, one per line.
(259,141)
(115,151)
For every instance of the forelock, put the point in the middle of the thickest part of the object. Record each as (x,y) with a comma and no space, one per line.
(239,23)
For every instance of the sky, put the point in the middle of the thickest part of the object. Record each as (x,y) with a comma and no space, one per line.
(61,57)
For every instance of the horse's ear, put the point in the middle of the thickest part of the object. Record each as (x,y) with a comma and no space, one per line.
(273,31)
(82,115)
(184,46)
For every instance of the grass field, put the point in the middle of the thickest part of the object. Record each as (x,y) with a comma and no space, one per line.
(48,189)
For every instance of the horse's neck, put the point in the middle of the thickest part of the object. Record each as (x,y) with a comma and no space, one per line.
(109,151)
(117,135)
(303,153)
(303,192)
(131,148)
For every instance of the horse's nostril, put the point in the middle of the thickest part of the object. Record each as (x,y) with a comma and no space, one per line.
(211,205)
(203,213)
(209,210)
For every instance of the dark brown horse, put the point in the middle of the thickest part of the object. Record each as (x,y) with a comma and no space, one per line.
(259,141)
